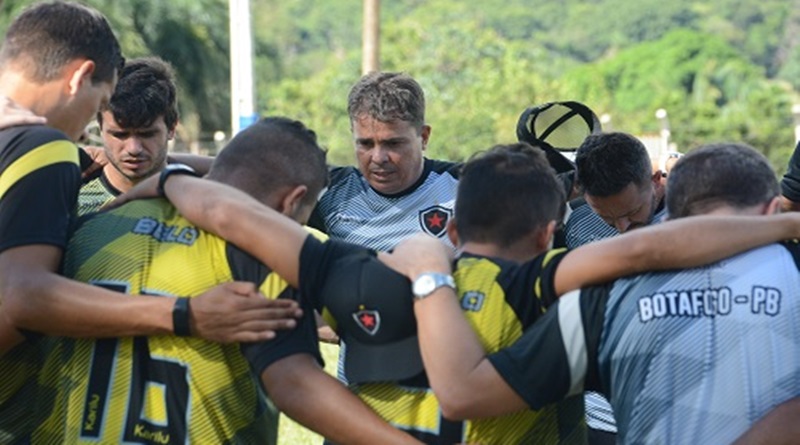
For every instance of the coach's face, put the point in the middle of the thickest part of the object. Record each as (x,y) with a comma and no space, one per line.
(389,154)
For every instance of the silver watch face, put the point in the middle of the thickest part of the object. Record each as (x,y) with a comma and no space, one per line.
(424,285)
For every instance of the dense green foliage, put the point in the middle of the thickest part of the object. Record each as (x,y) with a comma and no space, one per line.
(724,70)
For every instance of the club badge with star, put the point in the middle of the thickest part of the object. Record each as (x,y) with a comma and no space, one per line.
(433,220)
(368,320)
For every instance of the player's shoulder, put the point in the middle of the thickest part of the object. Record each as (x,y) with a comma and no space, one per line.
(479,264)
(490,273)
(579,216)
(31,136)
(16,142)
(344,183)
(507,270)
(339,174)
(543,263)
(40,131)
(443,167)
(585,226)
(579,211)
(769,255)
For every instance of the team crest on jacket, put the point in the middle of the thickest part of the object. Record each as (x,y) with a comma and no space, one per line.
(472,301)
(434,220)
(368,320)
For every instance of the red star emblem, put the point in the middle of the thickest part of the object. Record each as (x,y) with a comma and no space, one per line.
(368,320)
(436,220)
(433,220)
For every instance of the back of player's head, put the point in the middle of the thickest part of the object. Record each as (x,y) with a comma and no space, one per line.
(608,162)
(47,36)
(720,175)
(271,154)
(145,90)
(505,193)
(387,97)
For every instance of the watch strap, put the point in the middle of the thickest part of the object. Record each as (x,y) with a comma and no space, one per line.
(169,170)
(180,317)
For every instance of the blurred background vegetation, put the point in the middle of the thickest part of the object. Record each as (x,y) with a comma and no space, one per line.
(723,69)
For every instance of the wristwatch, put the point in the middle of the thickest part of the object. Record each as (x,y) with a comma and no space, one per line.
(173,169)
(428,282)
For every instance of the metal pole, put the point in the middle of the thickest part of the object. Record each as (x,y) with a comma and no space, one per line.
(241,52)
(371,37)
(663,119)
(605,122)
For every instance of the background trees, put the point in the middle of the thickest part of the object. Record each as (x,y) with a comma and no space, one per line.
(724,70)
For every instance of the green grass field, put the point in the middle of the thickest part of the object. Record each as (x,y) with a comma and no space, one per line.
(290,433)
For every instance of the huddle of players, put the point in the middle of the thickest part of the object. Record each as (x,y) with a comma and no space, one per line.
(173,388)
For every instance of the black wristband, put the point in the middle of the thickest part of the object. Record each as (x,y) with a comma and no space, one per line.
(172,169)
(180,317)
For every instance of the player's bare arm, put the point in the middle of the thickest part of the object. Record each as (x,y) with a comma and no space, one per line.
(35,298)
(465,383)
(303,391)
(681,243)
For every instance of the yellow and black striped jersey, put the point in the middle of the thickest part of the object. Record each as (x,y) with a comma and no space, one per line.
(39,182)
(499,298)
(94,194)
(165,389)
